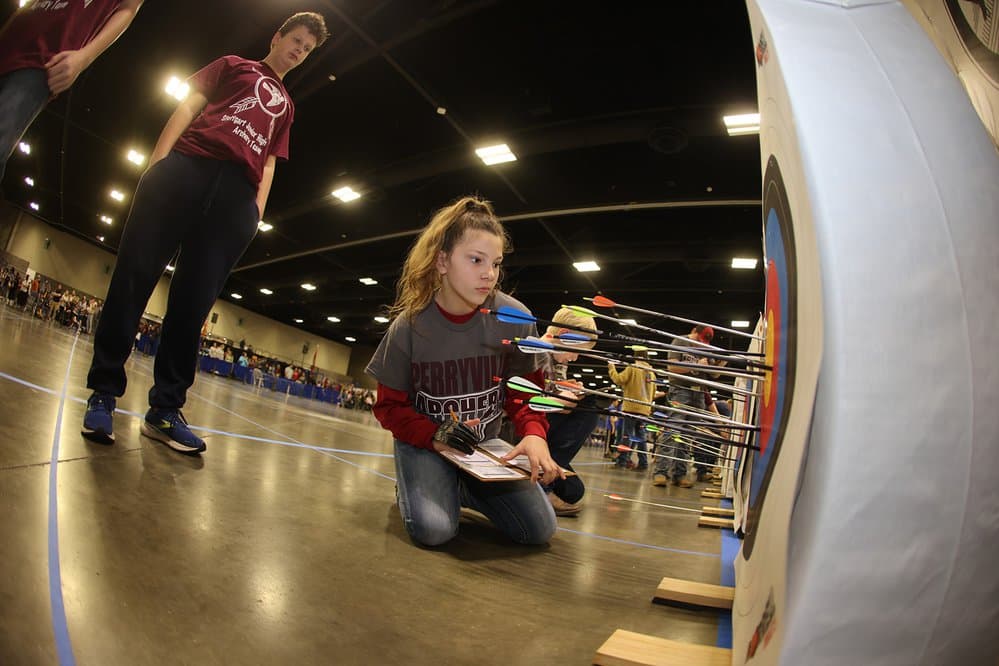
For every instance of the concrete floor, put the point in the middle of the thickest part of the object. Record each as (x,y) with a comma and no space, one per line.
(271,548)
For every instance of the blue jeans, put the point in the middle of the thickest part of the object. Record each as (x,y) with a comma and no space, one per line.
(23,94)
(680,451)
(633,435)
(432,492)
(566,434)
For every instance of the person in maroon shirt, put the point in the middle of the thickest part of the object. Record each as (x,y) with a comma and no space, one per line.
(203,194)
(43,49)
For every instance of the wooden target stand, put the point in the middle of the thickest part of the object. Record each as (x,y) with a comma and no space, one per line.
(629,648)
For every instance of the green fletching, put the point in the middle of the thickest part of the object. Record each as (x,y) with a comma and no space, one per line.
(578,309)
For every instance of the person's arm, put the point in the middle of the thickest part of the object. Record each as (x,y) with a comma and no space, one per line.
(63,68)
(395,412)
(177,124)
(264,189)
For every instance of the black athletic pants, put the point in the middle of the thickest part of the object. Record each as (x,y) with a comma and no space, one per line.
(205,208)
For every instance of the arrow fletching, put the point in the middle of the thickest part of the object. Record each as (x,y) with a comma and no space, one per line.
(540,403)
(511,315)
(523,385)
(533,345)
(579,309)
(574,338)
(602,302)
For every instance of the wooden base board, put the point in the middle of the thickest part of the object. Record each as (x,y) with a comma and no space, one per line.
(717,511)
(714,521)
(674,590)
(627,648)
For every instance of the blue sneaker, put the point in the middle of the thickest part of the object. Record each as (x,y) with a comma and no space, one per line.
(98,424)
(170,427)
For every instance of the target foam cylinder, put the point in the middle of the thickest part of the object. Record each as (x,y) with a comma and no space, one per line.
(876,538)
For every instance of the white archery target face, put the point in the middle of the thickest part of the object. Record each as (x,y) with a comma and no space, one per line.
(793,346)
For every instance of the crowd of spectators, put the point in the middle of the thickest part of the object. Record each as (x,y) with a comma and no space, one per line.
(48,300)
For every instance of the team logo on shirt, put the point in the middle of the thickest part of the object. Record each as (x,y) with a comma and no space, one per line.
(268,95)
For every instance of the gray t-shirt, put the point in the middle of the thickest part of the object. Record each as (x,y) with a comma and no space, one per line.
(685,358)
(446,367)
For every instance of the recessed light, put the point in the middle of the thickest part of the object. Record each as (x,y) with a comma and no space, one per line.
(586,266)
(333,319)
(496,154)
(29,181)
(236,296)
(117,196)
(100,238)
(740,323)
(299,321)
(382,320)
(368,281)
(177,88)
(135,157)
(264,227)
(745,123)
(170,268)
(24,147)
(350,339)
(33,206)
(265,291)
(106,220)
(346,194)
(743,263)
(587,369)
(308,286)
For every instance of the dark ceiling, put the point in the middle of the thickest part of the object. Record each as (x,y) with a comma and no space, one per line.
(613,110)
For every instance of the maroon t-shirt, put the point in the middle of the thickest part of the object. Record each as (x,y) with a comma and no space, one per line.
(248,116)
(44,28)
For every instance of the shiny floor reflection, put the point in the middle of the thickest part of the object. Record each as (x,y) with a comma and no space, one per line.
(282,544)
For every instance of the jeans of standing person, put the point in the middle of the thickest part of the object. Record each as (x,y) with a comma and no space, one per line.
(432,492)
(632,435)
(675,467)
(205,208)
(23,94)
(566,435)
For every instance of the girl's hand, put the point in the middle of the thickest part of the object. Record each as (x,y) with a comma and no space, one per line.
(542,465)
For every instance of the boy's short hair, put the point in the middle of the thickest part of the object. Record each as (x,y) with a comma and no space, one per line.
(313,22)
(569,317)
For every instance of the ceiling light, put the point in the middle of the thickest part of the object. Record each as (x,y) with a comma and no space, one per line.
(264,227)
(368,281)
(740,323)
(117,196)
(177,89)
(100,238)
(136,157)
(586,266)
(29,181)
(21,3)
(382,320)
(170,268)
(350,339)
(441,111)
(333,319)
(33,206)
(345,194)
(495,154)
(746,123)
(299,321)
(577,375)
(587,369)
(24,147)
(744,263)
(236,296)
(652,353)
(308,286)
(106,220)
(265,291)
(630,322)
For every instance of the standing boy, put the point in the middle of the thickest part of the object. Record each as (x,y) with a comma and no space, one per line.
(43,48)
(204,193)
